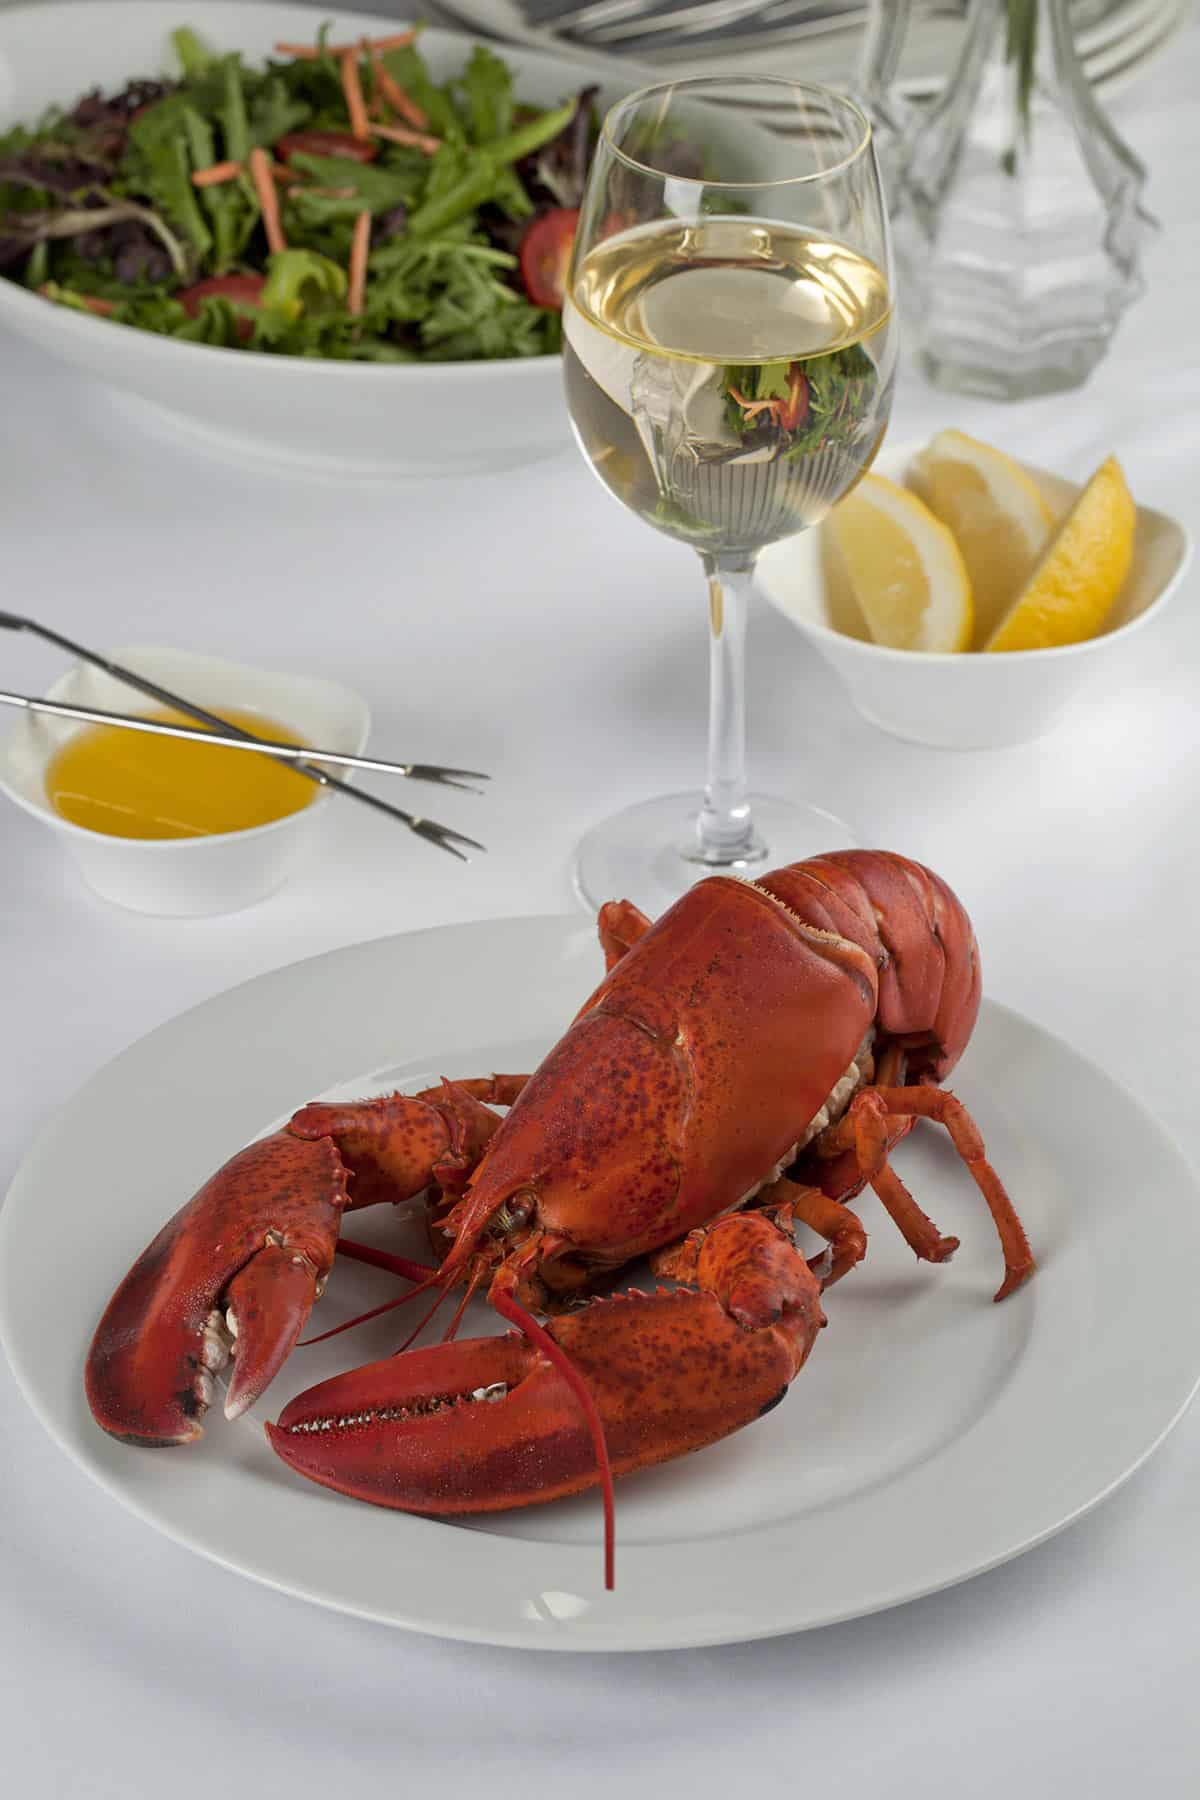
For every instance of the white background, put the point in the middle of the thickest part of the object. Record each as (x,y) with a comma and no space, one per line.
(526,626)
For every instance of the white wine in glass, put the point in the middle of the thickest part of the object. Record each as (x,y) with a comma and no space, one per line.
(729,361)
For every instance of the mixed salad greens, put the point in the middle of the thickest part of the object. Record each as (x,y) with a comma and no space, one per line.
(337,203)
(810,405)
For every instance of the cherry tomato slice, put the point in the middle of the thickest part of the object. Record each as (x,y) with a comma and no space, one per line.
(245,290)
(241,290)
(325,143)
(545,254)
(795,409)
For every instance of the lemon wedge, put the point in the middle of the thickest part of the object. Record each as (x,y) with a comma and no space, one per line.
(1072,589)
(999,518)
(888,555)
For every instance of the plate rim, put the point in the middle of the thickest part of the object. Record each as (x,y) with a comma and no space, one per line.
(675,1633)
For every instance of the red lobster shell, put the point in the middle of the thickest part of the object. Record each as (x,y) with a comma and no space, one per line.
(801,1024)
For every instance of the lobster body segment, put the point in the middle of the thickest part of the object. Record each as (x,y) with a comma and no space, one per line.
(686,1080)
(747,1062)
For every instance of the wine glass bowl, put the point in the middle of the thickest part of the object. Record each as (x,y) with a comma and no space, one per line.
(729,359)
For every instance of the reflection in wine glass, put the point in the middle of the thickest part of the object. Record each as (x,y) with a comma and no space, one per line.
(729,361)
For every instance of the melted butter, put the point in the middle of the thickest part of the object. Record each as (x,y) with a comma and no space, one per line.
(134,784)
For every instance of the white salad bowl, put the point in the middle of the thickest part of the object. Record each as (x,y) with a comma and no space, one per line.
(297,414)
(185,877)
(973,701)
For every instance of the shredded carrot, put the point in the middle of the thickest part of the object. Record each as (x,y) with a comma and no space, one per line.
(216,172)
(400,134)
(376,109)
(229,171)
(313,52)
(394,94)
(360,125)
(752,408)
(268,199)
(360,246)
(395,41)
(93,302)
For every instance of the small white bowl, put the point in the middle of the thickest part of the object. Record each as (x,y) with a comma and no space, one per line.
(185,877)
(972,702)
(289,414)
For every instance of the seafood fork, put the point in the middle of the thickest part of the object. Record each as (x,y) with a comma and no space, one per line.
(234,736)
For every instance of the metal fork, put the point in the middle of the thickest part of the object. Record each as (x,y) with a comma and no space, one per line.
(429,829)
(277,750)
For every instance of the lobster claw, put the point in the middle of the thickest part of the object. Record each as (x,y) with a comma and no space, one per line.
(491,1423)
(239,1266)
(440,1430)
(243,1260)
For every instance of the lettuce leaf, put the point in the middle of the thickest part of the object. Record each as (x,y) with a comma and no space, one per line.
(100,202)
(483,95)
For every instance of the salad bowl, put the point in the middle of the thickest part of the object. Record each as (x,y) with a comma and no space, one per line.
(298,414)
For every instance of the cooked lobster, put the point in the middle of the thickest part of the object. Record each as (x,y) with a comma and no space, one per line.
(748,1061)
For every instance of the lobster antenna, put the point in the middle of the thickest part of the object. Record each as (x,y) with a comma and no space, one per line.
(509,1308)
(413,1335)
(469,1293)
(383,1259)
(422,1287)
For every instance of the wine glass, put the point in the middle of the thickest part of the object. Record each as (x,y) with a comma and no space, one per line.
(729,360)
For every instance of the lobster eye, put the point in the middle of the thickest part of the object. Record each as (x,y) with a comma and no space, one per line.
(516,1211)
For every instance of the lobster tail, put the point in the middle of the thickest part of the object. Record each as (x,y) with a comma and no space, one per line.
(916,930)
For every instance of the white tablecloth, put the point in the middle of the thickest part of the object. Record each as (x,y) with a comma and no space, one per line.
(526,626)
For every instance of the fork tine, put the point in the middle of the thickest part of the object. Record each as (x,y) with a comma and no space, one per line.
(442,835)
(425,828)
(445,777)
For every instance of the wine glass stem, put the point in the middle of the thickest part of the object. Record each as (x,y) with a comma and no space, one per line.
(725,829)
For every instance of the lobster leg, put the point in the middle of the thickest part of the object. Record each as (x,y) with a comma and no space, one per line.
(866,1124)
(496,1090)
(841,1228)
(246,1257)
(490,1423)
(620,925)
(929,1102)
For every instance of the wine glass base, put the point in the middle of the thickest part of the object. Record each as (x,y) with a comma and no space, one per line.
(645,854)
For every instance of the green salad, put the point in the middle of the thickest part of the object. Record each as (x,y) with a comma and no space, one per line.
(338,202)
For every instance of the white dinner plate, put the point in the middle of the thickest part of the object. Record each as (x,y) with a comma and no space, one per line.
(932,1435)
